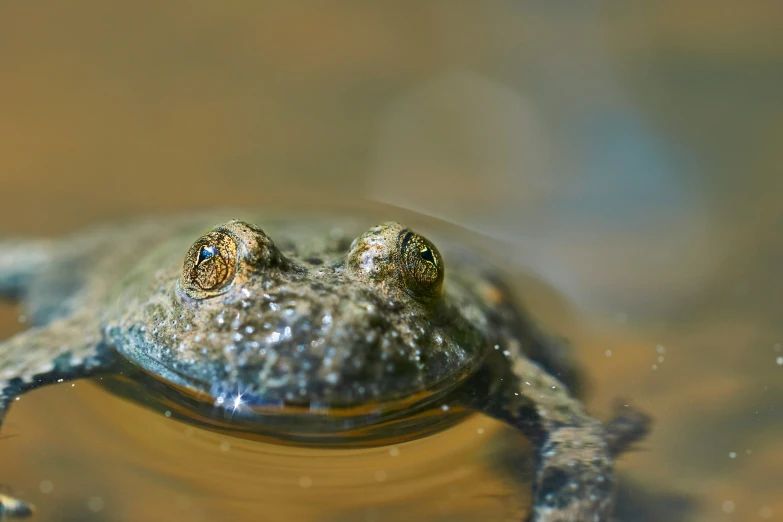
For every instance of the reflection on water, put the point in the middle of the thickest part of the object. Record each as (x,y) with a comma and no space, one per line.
(627,154)
(98,457)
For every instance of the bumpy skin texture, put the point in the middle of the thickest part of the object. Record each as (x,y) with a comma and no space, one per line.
(325,334)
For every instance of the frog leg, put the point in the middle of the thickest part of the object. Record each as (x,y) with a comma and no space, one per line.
(574,479)
(20,260)
(514,321)
(63,350)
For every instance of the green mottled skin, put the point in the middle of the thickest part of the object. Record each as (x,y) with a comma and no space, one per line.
(319,332)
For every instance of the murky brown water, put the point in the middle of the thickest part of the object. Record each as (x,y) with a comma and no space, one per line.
(628,155)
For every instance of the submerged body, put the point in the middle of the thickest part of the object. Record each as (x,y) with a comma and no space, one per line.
(308,331)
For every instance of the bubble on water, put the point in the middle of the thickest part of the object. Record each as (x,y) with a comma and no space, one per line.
(608,353)
(480,431)
(660,349)
(654,366)
(394,451)
(732,455)
(660,359)
(167,414)
(779,360)
(95,504)
(765,512)
(225,446)
(728,506)
(46,486)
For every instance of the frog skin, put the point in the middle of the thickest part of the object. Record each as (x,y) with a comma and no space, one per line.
(307,332)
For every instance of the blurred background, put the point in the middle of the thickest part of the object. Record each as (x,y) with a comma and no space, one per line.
(626,155)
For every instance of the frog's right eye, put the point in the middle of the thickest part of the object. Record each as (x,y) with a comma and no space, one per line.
(210,265)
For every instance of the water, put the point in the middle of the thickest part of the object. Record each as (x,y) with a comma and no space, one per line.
(97,457)
(625,158)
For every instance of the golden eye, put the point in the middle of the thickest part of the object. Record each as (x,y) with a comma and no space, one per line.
(421,266)
(210,265)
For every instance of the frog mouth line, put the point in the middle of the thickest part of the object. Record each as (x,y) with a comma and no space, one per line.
(417,417)
(250,406)
(154,367)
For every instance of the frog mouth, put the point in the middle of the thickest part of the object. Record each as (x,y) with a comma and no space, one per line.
(232,398)
(254,417)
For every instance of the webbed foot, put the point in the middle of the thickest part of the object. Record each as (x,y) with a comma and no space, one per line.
(627,427)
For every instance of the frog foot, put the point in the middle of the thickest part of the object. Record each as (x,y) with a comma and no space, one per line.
(14,509)
(627,427)
(575,479)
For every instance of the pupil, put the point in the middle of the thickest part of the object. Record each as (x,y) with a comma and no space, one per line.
(426,254)
(206,253)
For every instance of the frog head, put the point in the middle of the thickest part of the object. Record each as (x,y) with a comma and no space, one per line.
(243,325)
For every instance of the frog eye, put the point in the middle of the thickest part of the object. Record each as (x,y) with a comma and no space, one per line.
(210,265)
(421,266)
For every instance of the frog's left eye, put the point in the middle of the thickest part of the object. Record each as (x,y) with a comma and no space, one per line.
(397,259)
(421,266)
(210,265)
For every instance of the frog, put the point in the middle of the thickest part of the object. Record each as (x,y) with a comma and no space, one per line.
(317,330)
